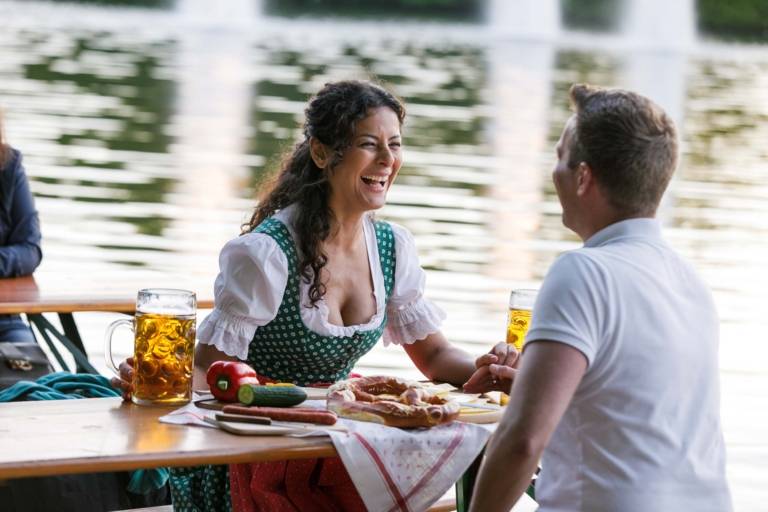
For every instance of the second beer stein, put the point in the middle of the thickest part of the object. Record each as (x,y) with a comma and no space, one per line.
(520,310)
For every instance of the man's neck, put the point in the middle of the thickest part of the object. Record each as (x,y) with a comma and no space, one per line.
(601,222)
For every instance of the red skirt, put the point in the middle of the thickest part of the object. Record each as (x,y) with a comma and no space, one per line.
(305,485)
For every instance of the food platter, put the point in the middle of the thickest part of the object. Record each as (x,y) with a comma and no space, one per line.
(475,408)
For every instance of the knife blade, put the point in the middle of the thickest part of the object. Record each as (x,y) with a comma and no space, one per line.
(261,420)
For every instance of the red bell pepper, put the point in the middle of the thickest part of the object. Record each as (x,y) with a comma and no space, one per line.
(226,377)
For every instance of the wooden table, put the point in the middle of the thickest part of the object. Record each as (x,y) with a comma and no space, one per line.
(31,295)
(107,434)
(35,295)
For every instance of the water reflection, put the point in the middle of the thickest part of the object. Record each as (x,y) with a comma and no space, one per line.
(146,148)
(94,108)
(137,140)
(466,11)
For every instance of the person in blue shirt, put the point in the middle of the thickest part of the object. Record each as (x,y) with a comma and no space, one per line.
(20,251)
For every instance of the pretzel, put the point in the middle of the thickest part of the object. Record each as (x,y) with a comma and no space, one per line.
(390,401)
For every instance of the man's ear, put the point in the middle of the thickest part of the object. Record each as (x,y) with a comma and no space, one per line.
(585,180)
(319,152)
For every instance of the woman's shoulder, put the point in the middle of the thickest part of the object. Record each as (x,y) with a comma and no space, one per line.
(279,228)
(403,238)
(255,245)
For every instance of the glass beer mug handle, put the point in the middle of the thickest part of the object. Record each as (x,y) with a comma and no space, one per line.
(108,342)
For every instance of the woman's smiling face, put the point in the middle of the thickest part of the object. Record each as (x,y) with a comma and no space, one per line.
(368,167)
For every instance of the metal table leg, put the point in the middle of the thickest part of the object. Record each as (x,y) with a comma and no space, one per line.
(71,332)
(466,484)
(46,329)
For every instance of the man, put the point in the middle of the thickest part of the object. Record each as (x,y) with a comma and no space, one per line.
(618,384)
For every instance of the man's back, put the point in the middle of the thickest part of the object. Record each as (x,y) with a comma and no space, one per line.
(642,431)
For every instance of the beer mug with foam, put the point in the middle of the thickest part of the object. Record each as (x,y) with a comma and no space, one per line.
(164,345)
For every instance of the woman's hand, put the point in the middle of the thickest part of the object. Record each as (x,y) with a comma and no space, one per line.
(495,370)
(124,382)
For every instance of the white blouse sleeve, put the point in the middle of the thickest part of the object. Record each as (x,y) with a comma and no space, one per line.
(411,316)
(253,272)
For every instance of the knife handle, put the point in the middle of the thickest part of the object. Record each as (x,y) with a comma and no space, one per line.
(259,420)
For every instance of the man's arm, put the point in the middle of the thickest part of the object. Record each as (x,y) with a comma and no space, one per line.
(548,377)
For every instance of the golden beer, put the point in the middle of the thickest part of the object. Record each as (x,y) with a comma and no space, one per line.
(517,327)
(519,319)
(163,346)
(163,352)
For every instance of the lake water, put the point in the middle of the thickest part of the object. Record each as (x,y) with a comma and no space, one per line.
(146,135)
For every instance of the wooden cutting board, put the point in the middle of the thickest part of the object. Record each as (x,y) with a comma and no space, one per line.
(316,393)
(480,415)
(252,429)
(487,410)
(247,429)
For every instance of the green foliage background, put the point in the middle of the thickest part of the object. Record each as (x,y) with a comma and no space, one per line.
(454,10)
(740,19)
(730,19)
(745,20)
(591,14)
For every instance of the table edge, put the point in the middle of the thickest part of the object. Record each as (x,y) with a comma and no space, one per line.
(323,447)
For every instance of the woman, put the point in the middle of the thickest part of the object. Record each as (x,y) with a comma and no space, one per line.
(311,285)
(20,252)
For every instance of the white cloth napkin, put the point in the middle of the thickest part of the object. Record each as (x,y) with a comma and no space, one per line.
(189,414)
(406,470)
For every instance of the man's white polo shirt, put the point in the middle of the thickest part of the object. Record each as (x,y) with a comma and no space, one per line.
(642,432)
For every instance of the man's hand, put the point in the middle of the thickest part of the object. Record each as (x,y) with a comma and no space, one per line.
(495,370)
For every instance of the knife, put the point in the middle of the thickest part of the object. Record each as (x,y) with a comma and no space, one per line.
(262,420)
(259,420)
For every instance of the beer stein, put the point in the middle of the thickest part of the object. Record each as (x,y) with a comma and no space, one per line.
(164,345)
(520,309)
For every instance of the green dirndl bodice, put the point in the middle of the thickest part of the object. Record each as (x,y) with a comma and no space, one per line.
(287,351)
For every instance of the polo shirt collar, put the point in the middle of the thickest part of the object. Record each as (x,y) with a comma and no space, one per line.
(642,227)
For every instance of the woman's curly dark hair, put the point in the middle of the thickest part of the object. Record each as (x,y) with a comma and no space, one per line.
(330,117)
